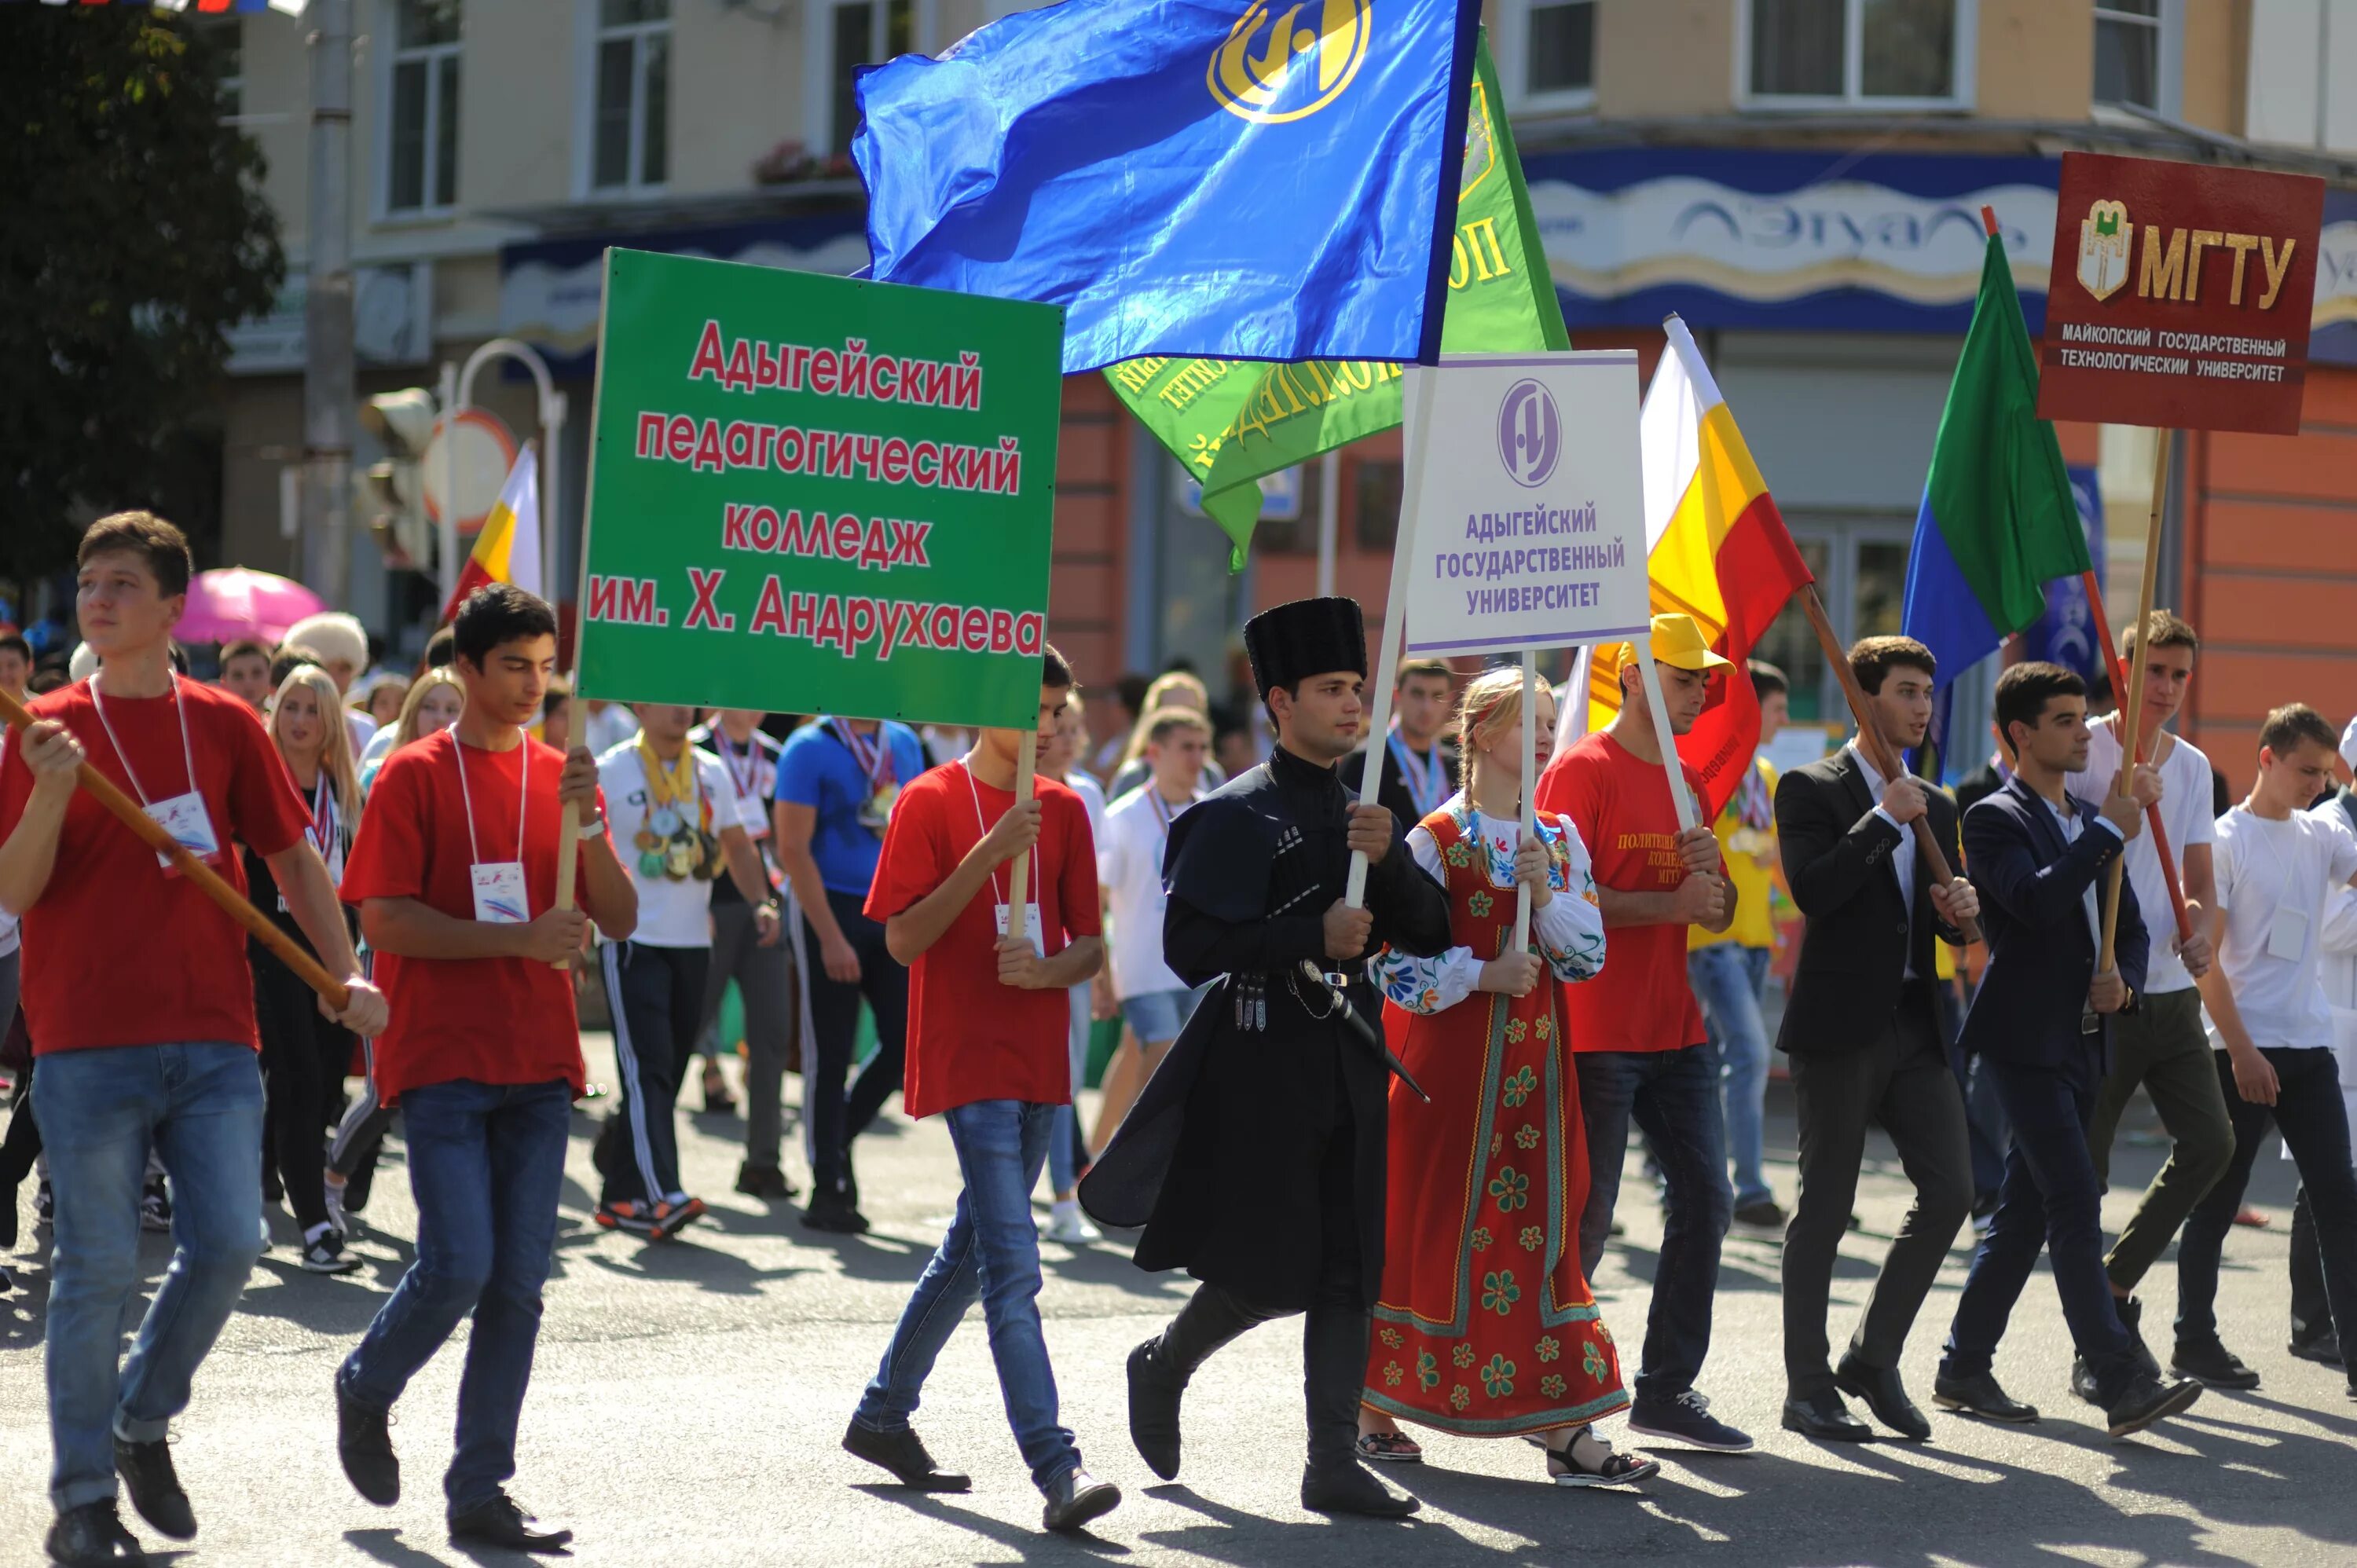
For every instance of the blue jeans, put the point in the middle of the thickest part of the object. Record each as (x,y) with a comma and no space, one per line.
(1726,978)
(486,1163)
(1672,1097)
(2051,1201)
(1064,1138)
(99,1110)
(993,1251)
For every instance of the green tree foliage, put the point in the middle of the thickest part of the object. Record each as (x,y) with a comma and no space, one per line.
(133,235)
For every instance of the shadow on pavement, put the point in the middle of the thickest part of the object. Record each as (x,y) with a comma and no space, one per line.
(1029,1545)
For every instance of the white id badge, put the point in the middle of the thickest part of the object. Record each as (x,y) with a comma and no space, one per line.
(2287,938)
(1031,926)
(185,819)
(499,892)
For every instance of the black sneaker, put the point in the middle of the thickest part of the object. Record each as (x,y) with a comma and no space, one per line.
(364,1444)
(92,1536)
(764,1182)
(326,1255)
(829,1211)
(155,1205)
(1764,1215)
(2214,1365)
(498,1522)
(2323,1349)
(154,1487)
(1686,1421)
(2085,1384)
(903,1454)
(2148,1399)
(1074,1499)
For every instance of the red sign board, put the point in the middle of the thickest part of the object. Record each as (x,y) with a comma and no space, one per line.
(2180,294)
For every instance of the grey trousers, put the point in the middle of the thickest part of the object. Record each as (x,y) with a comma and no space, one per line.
(765,977)
(1903,1082)
(2162,1047)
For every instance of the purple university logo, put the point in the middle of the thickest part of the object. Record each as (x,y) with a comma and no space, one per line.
(1530,434)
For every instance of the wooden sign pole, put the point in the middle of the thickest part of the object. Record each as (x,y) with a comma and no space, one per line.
(1419,395)
(2131,715)
(2148,744)
(1530,795)
(289,951)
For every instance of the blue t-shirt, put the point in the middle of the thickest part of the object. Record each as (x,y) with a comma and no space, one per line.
(818,769)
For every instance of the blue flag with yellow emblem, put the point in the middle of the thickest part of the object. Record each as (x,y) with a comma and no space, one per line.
(1241,179)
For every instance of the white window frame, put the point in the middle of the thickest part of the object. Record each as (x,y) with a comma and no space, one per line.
(2171,67)
(1852,99)
(1520,99)
(588,34)
(389,57)
(818,65)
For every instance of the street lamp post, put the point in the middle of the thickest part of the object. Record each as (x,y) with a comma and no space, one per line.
(458,396)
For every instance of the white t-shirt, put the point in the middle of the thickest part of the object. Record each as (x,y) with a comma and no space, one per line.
(2185,813)
(671,914)
(362,728)
(1129,863)
(2273,882)
(608,728)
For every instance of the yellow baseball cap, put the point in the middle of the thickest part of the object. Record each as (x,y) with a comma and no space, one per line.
(1678,642)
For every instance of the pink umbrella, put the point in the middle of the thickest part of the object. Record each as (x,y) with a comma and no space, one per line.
(235,602)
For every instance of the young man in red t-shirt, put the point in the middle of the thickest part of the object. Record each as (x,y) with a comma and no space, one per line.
(1637,1032)
(987,1021)
(140,1003)
(455,873)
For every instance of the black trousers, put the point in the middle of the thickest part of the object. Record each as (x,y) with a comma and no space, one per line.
(1334,1328)
(303,1059)
(835,1118)
(1902,1080)
(2315,1124)
(2311,1305)
(657,998)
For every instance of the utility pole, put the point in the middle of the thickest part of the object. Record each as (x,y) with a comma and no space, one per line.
(328,389)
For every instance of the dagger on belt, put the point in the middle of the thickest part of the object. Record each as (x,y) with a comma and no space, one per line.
(1361,1029)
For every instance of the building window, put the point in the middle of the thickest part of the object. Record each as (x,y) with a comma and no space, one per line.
(630,141)
(2135,49)
(227,41)
(867,32)
(421,152)
(1831,53)
(1557,48)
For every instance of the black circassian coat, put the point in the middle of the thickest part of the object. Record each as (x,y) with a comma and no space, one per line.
(1220,1159)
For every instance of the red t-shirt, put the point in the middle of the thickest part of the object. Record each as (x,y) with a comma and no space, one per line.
(119,952)
(970,1038)
(487,1020)
(1621,803)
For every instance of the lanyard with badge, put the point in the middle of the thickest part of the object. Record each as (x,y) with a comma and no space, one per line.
(747,779)
(183,816)
(2288,931)
(498,883)
(874,756)
(1427,781)
(325,832)
(999,895)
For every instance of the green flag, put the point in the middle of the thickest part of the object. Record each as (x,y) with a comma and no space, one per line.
(1232,421)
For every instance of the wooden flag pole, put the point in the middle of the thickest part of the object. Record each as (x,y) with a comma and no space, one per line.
(289,951)
(568,822)
(1869,737)
(1530,794)
(1644,653)
(1019,885)
(2131,715)
(1417,390)
(2149,744)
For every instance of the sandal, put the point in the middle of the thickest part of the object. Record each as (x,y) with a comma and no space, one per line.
(1599,1466)
(1390,1448)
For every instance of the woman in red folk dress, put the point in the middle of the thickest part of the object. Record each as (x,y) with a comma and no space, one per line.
(1486,1326)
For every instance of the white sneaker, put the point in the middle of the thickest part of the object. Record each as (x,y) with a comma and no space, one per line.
(1068,1225)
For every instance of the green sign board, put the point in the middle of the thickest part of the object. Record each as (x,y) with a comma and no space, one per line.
(813,494)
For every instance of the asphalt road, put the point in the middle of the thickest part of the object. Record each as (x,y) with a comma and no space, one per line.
(688,1397)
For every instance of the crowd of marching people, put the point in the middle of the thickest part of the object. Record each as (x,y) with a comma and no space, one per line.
(1427,1173)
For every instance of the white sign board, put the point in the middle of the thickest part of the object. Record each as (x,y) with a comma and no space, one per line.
(1529,508)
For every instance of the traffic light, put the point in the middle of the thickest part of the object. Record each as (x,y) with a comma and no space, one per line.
(393,491)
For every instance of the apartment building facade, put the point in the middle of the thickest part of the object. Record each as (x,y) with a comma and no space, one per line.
(1801,179)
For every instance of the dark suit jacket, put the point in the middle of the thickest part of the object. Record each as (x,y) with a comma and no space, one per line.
(2041,955)
(1854,949)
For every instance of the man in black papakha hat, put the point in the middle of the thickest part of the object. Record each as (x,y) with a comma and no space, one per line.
(1254,1158)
